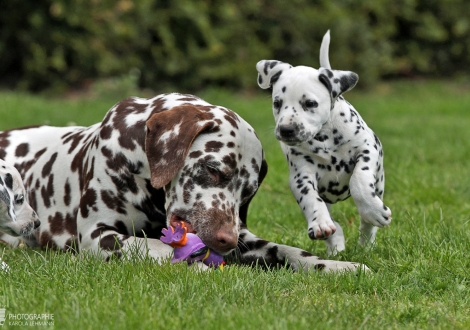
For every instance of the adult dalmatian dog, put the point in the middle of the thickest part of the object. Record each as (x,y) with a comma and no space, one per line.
(17,217)
(112,187)
(331,152)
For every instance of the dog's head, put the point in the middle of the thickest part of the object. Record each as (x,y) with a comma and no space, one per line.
(209,162)
(17,217)
(303,97)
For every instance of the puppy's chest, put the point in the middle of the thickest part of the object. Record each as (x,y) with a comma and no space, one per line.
(331,170)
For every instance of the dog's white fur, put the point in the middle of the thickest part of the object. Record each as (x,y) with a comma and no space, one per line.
(331,151)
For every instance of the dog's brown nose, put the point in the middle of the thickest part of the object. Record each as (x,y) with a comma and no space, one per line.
(225,241)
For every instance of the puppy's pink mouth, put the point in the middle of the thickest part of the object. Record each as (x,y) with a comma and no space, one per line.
(175,220)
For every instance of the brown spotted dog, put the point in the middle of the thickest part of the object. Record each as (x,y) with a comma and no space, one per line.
(112,187)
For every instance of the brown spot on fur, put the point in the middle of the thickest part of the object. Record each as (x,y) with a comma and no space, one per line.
(25,166)
(22,150)
(230,160)
(4,143)
(56,224)
(75,139)
(110,242)
(113,201)
(45,241)
(106,132)
(71,222)
(231,121)
(195,154)
(213,146)
(67,193)
(46,170)
(121,227)
(47,192)
(71,245)
(87,202)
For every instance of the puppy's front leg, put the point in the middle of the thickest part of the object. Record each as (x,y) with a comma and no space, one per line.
(366,186)
(304,187)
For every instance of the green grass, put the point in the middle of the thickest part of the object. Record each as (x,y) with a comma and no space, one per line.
(420,264)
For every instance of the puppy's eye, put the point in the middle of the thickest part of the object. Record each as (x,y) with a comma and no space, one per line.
(311,104)
(277,104)
(19,199)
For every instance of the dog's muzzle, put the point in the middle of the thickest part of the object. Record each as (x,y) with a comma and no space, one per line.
(289,134)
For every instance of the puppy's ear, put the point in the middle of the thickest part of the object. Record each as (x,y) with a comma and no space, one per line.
(169,137)
(337,82)
(269,72)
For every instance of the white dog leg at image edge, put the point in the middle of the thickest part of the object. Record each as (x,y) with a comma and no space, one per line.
(4,267)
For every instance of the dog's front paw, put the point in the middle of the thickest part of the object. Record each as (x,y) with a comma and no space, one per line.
(321,230)
(377,214)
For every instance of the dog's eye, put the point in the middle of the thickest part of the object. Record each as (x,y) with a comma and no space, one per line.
(311,104)
(213,172)
(19,199)
(277,104)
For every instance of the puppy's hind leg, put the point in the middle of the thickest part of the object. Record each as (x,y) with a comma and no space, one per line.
(367,233)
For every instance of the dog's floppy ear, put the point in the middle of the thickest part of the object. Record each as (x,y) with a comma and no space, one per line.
(337,82)
(169,137)
(269,72)
(243,212)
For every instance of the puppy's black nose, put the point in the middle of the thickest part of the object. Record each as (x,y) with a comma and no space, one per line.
(287,131)
(37,223)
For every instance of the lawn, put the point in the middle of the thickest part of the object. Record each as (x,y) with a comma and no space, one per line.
(420,265)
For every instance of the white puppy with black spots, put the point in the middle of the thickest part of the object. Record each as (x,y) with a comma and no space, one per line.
(17,218)
(331,152)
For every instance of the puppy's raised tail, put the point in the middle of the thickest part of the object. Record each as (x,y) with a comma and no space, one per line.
(325,45)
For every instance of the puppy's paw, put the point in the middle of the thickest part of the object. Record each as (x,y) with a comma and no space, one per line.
(377,214)
(321,229)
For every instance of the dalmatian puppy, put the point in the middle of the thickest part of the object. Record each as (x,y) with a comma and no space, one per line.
(112,187)
(17,218)
(331,152)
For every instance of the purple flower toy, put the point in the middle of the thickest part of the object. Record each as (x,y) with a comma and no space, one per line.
(190,247)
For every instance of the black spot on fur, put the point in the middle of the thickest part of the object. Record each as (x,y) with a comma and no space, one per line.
(275,77)
(9,180)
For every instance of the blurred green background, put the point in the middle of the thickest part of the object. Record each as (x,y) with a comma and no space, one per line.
(63,45)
